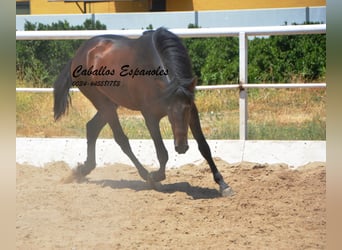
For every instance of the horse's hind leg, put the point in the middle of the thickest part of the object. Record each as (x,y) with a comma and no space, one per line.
(94,126)
(123,142)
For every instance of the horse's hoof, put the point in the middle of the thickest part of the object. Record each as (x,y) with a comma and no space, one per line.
(156,185)
(227,192)
(157,176)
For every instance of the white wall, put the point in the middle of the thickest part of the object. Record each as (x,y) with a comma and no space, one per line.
(235,18)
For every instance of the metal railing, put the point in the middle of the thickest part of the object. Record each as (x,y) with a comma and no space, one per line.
(241,32)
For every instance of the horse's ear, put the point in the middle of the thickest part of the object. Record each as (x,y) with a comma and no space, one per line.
(193,84)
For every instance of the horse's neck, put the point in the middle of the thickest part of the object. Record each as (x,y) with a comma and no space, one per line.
(160,59)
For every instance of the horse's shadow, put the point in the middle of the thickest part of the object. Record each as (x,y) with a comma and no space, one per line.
(138,185)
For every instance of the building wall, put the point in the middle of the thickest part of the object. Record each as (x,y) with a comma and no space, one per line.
(60,7)
(179,5)
(181,19)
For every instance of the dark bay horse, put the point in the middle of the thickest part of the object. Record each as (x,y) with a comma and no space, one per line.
(152,74)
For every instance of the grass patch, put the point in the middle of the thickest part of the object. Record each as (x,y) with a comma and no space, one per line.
(274,114)
(309,130)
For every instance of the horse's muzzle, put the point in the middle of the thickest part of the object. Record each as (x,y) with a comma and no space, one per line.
(181,149)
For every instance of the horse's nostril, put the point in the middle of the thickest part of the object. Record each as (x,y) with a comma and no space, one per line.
(181,149)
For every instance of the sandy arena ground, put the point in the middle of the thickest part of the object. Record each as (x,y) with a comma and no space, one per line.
(274,208)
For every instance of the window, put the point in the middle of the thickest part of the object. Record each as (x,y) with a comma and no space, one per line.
(23,8)
(158,5)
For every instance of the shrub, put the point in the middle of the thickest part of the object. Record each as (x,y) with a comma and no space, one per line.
(40,61)
(271,59)
(214,60)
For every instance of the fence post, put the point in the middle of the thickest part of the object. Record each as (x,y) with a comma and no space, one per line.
(243,79)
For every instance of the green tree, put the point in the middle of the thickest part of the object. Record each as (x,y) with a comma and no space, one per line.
(39,62)
(214,60)
(222,61)
(271,59)
(287,58)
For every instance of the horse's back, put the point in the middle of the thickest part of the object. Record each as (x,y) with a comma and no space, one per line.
(106,64)
(99,42)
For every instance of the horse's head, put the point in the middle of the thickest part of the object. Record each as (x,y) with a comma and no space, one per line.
(179,112)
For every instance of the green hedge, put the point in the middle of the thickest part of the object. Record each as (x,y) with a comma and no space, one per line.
(215,60)
(38,62)
(287,58)
(270,59)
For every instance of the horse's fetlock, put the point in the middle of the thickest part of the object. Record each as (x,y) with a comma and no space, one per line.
(218,178)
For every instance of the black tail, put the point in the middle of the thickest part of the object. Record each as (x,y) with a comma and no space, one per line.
(61,92)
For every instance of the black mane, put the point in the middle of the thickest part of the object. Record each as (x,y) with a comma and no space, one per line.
(176,60)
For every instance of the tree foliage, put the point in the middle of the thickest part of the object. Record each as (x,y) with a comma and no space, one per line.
(270,59)
(40,61)
(215,60)
(287,58)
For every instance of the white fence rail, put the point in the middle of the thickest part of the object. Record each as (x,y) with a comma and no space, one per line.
(241,32)
(185,33)
(210,87)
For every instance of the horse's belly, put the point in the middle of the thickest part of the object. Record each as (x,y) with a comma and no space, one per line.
(120,96)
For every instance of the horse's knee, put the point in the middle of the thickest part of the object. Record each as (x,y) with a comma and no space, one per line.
(163,157)
(120,138)
(123,142)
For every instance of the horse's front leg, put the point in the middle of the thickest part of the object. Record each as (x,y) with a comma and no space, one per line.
(152,124)
(204,148)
